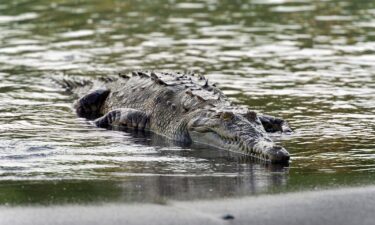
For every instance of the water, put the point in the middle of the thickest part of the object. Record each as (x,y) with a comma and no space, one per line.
(310,62)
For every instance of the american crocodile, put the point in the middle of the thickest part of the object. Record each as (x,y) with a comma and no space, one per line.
(182,107)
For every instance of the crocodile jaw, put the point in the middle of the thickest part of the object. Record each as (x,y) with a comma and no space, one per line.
(261,148)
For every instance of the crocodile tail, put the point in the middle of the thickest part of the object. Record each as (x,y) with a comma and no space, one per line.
(70,83)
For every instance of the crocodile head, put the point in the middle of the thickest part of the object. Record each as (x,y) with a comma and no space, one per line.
(236,132)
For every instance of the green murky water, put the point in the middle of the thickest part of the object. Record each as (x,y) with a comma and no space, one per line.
(311,62)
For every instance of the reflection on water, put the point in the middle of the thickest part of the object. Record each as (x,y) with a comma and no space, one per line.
(311,62)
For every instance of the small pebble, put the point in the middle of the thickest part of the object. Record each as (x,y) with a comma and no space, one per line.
(228,217)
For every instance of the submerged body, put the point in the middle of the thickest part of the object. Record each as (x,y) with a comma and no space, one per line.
(182,107)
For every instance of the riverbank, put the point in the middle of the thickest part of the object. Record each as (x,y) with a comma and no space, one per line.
(337,206)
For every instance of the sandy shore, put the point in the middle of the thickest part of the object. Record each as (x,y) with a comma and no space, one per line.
(342,206)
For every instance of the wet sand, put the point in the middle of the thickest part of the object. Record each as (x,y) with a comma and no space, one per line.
(341,206)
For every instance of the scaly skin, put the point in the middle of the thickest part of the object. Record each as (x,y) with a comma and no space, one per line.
(182,107)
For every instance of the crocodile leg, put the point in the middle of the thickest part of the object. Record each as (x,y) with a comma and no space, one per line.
(274,124)
(124,117)
(89,105)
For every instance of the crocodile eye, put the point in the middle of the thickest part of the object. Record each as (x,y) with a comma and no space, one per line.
(227,115)
(251,115)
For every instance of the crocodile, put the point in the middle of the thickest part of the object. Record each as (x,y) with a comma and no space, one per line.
(183,107)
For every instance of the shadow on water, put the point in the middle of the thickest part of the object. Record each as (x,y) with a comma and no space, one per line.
(234,175)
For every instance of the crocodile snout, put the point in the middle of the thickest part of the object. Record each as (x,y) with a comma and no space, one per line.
(278,154)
